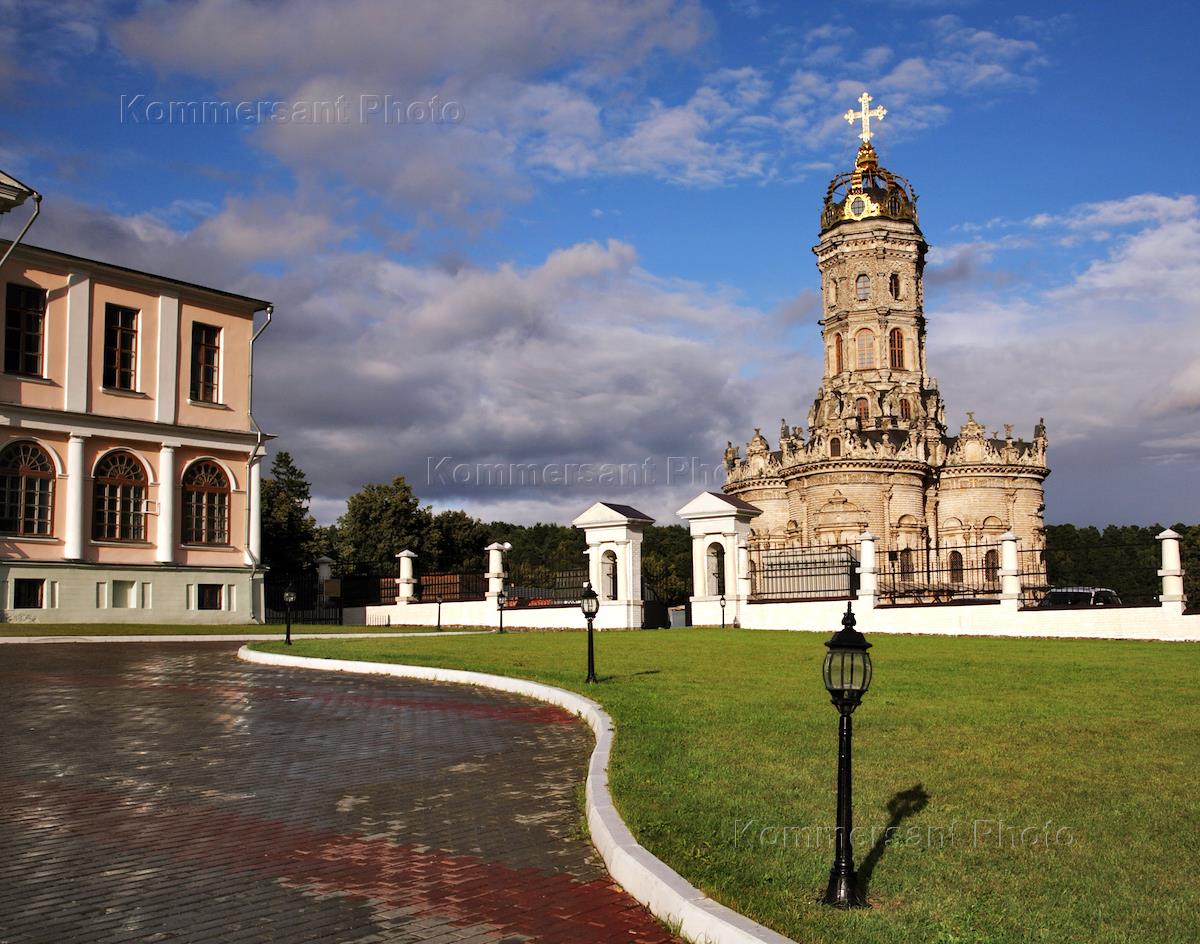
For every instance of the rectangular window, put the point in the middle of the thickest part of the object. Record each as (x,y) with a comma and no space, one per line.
(206,363)
(208,596)
(120,347)
(27,593)
(24,319)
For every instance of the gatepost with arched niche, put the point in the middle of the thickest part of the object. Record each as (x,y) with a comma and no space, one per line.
(614,547)
(720,526)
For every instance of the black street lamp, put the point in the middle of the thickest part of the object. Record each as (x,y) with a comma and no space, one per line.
(501,599)
(847,674)
(590,604)
(439,599)
(722,611)
(289,597)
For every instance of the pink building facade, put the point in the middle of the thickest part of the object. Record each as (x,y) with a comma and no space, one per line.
(130,462)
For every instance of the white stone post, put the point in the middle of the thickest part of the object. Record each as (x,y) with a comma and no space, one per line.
(719,519)
(164,551)
(867,581)
(254,539)
(1010,572)
(405,582)
(616,529)
(743,571)
(77,478)
(1172,570)
(324,568)
(495,569)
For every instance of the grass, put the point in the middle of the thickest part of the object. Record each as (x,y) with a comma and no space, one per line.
(1091,743)
(188,629)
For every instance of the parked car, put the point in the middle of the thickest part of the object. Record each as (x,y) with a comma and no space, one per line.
(1079,596)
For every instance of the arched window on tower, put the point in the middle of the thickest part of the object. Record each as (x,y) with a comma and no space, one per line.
(906,564)
(864,343)
(896,349)
(119,499)
(991,565)
(26,489)
(832,292)
(862,287)
(205,504)
(835,448)
(956,567)
(894,285)
(905,410)
(862,409)
(839,357)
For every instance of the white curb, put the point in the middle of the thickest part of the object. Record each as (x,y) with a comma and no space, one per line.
(666,893)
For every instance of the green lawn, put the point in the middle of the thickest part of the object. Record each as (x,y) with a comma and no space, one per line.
(139,629)
(720,729)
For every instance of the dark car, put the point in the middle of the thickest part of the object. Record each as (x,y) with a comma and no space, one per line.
(1080,596)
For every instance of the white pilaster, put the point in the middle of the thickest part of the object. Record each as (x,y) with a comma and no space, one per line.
(79,303)
(77,480)
(254,542)
(166,386)
(164,551)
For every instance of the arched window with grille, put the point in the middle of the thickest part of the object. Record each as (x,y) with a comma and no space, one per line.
(991,565)
(205,504)
(864,343)
(956,567)
(839,357)
(905,410)
(862,287)
(862,409)
(26,490)
(907,569)
(896,349)
(119,499)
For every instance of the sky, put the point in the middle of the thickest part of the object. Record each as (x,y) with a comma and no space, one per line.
(567,246)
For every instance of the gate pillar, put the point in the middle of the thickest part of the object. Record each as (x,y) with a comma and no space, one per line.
(614,547)
(720,527)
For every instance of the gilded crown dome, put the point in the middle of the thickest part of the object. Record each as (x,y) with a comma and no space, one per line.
(867,192)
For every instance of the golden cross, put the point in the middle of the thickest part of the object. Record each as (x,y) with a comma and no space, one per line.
(865,115)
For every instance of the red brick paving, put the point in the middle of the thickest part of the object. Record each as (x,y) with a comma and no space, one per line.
(171,793)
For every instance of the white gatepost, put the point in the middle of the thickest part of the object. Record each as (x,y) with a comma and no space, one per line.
(405,582)
(867,581)
(324,568)
(1010,572)
(614,547)
(495,569)
(1172,572)
(720,528)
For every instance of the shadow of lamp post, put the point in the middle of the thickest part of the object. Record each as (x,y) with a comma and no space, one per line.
(289,597)
(590,604)
(847,673)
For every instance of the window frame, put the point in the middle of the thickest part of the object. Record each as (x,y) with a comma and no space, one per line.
(119,502)
(21,323)
(120,368)
(25,582)
(862,287)
(896,349)
(864,353)
(205,385)
(205,593)
(25,476)
(205,507)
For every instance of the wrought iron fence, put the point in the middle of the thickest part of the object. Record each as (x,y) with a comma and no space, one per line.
(531,586)
(375,587)
(915,575)
(451,587)
(317,602)
(1128,570)
(803,573)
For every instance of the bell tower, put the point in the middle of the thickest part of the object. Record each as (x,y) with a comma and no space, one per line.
(872,261)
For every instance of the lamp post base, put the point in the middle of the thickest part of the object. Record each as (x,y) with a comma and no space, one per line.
(843,891)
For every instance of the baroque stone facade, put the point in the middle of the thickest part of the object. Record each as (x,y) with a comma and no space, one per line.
(877,454)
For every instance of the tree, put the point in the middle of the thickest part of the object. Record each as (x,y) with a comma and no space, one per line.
(454,541)
(288,530)
(380,521)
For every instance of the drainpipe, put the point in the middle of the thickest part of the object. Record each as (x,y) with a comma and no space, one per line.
(37,208)
(257,456)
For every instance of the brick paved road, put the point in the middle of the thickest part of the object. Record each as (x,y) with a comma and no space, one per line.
(168,792)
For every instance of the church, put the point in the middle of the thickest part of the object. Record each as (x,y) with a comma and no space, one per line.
(877,454)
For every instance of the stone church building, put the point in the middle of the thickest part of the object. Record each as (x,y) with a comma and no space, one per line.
(877,454)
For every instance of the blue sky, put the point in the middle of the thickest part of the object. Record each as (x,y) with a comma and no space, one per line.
(601,252)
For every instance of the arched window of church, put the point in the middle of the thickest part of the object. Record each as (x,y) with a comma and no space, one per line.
(905,410)
(894,208)
(956,567)
(896,349)
(835,448)
(862,408)
(864,342)
(894,285)
(862,287)
(839,358)
(991,565)
(906,563)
